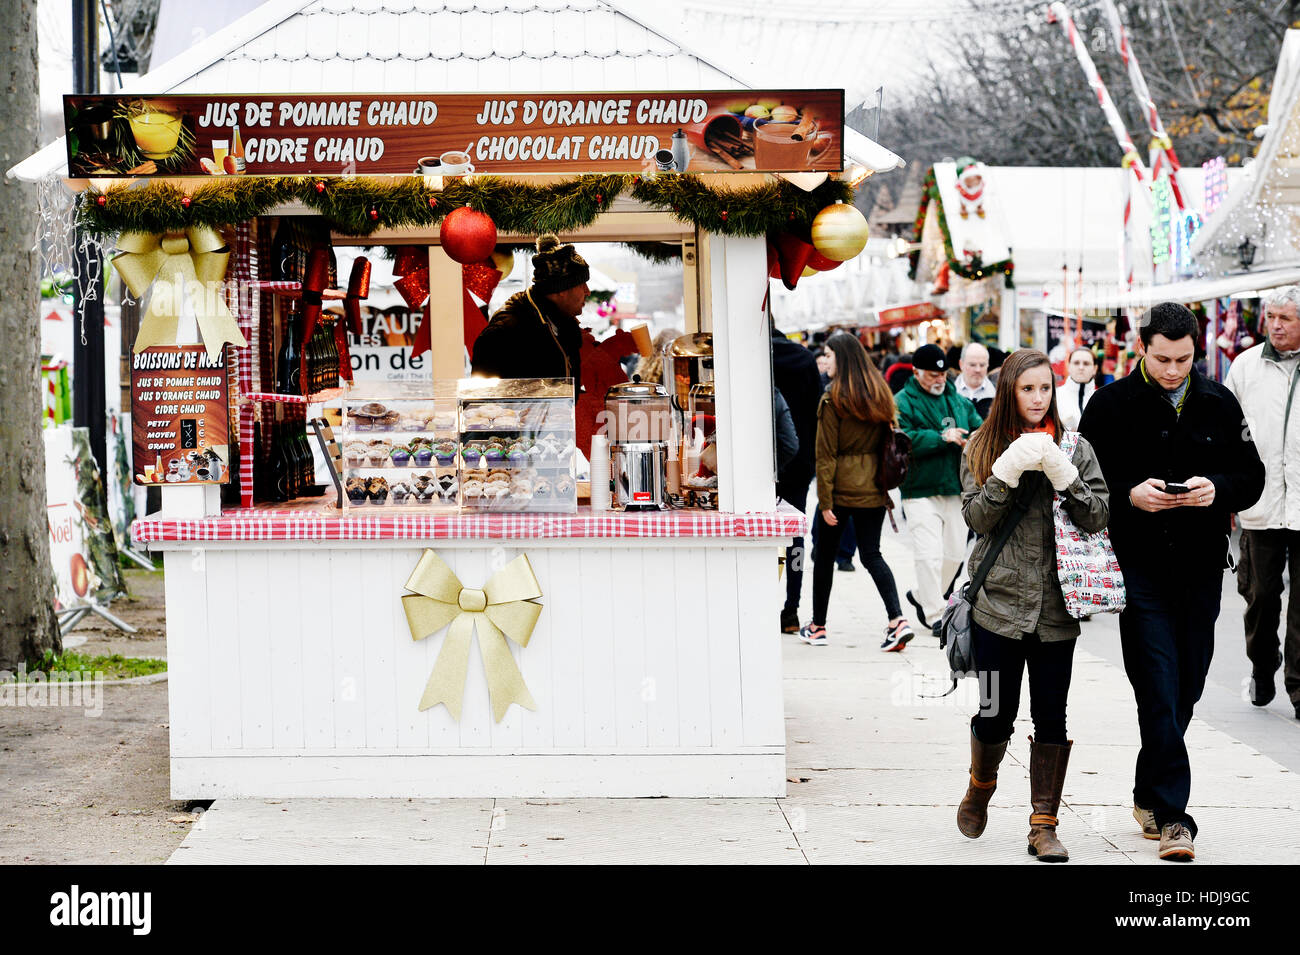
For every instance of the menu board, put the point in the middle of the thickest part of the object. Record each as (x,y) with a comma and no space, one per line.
(455,134)
(179,416)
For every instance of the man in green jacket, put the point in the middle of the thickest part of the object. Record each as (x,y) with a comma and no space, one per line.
(938,420)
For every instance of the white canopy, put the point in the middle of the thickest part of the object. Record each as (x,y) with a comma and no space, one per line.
(288,46)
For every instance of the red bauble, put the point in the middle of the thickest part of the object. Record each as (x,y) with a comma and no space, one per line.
(467,236)
(374,214)
(821,263)
(101,201)
(185,202)
(320,186)
(433,202)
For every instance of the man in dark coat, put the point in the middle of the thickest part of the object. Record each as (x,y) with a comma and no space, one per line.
(536,333)
(1178,460)
(794,372)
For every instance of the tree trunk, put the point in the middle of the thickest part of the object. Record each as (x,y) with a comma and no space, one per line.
(27,623)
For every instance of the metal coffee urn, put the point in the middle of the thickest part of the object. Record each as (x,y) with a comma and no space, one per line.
(639,421)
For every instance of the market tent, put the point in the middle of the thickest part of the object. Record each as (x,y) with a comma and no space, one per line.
(1191,290)
(396,46)
(1265,207)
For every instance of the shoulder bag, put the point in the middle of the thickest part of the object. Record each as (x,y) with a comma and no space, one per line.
(954,629)
(1091,581)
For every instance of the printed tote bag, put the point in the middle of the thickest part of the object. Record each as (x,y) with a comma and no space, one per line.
(1091,580)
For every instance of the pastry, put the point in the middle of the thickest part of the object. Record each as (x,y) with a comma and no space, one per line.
(377,490)
(399,491)
(401,455)
(356,490)
(355,453)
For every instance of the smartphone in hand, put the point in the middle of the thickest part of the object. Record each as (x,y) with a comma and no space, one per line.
(1173,487)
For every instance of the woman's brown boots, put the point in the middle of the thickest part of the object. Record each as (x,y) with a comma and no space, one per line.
(973,813)
(1047,762)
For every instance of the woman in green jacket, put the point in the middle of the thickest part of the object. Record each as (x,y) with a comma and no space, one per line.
(853,421)
(1019,620)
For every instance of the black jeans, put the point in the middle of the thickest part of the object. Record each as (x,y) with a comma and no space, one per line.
(1167,635)
(867,521)
(1264,557)
(848,537)
(1001,663)
(794,493)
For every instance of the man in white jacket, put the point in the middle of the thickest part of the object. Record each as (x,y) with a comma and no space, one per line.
(1264,380)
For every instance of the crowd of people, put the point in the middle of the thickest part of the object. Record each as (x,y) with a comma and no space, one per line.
(1164,459)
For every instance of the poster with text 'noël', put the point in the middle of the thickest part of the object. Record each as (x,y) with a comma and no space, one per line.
(455,134)
(179,416)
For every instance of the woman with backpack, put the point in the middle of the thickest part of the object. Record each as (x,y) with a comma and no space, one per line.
(854,421)
(1011,470)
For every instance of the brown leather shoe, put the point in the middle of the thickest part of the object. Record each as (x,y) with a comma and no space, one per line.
(973,813)
(1047,762)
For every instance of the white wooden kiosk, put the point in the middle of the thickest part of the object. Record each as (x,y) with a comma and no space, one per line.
(655,664)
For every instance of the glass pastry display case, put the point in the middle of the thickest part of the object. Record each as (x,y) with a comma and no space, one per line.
(400,446)
(517,445)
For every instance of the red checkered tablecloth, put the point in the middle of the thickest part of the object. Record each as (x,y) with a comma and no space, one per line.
(316,521)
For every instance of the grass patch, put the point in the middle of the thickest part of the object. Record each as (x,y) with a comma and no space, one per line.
(114,667)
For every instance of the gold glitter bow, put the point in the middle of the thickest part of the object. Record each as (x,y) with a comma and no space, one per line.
(177,266)
(503,608)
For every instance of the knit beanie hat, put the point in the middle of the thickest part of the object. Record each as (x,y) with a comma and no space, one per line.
(557,267)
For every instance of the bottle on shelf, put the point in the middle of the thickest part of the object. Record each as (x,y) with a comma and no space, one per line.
(311,362)
(288,364)
(332,370)
(308,473)
(237,151)
(262,479)
(281,466)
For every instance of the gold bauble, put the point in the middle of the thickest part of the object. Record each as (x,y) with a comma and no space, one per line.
(807,271)
(839,232)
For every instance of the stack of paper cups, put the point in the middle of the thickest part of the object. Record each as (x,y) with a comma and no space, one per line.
(600,473)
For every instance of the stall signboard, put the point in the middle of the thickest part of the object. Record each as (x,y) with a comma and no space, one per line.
(179,416)
(455,134)
(384,350)
(1091,330)
(83,551)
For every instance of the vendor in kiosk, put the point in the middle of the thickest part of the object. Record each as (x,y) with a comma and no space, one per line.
(536,333)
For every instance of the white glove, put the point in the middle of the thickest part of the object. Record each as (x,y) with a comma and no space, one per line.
(1023,454)
(1058,468)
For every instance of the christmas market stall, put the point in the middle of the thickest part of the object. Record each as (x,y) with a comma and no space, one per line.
(452,585)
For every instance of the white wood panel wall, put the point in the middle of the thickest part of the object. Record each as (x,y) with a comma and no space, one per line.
(655,669)
(743,371)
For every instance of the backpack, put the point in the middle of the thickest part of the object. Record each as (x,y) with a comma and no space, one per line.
(895,458)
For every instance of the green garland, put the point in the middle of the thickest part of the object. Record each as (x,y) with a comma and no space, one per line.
(973,270)
(359,206)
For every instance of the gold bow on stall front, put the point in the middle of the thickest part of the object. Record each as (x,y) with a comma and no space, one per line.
(179,265)
(504,605)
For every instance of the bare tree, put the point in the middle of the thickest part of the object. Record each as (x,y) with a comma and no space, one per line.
(27,624)
(1010,92)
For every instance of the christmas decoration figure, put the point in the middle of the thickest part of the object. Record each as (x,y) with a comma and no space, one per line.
(970,187)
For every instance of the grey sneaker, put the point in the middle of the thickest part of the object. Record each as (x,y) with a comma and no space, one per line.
(1176,843)
(1147,820)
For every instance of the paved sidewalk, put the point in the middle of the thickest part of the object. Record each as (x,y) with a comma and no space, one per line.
(876,771)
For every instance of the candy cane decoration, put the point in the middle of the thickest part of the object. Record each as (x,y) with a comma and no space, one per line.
(1161,145)
(1057,13)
